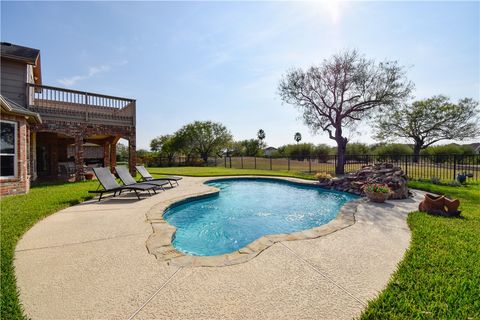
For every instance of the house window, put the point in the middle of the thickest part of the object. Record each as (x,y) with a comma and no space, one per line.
(8,148)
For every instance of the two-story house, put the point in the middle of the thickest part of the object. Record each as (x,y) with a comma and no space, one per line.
(46,130)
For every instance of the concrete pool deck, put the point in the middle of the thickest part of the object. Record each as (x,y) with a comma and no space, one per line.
(90,261)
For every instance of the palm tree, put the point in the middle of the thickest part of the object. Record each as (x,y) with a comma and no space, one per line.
(297,137)
(261,135)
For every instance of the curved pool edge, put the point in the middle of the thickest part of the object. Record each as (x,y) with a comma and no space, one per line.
(159,243)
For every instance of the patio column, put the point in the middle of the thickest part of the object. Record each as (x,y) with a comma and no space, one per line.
(106,153)
(113,155)
(79,169)
(132,155)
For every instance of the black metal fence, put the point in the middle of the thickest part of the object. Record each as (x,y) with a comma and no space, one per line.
(443,167)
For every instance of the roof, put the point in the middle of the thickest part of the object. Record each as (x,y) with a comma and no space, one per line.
(23,54)
(475,146)
(10,107)
(16,52)
(270,148)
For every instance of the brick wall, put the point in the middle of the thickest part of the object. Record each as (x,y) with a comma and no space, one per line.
(21,183)
(80,131)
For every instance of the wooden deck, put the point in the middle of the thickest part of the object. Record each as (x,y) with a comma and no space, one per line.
(60,104)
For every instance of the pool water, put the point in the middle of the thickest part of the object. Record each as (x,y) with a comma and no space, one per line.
(247,209)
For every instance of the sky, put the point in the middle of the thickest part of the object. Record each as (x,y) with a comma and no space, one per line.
(222,61)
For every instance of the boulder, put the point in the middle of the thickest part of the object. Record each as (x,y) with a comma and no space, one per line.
(383,173)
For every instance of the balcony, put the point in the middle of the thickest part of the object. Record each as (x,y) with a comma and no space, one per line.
(59,104)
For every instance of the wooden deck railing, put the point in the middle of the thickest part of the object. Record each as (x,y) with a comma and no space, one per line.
(71,105)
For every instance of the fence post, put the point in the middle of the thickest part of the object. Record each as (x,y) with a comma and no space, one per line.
(406,165)
(271,163)
(230,162)
(454,166)
(241,158)
(225,161)
(288,160)
(335,163)
(215,160)
(309,165)
(255,161)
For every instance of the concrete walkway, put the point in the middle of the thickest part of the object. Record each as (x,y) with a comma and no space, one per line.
(90,262)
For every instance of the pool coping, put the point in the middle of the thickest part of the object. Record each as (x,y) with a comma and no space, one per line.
(159,243)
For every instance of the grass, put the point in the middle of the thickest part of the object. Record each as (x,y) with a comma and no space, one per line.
(415,170)
(439,277)
(20,213)
(219,171)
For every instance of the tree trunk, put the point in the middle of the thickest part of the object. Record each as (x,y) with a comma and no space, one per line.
(341,150)
(416,151)
(205,157)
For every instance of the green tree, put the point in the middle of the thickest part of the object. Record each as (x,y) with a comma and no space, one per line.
(122,152)
(322,152)
(357,148)
(253,147)
(342,91)
(300,151)
(237,149)
(428,121)
(204,138)
(249,148)
(394,151)
(143,153)
(167,146)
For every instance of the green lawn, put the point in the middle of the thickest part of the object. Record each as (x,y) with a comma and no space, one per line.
(20,213)
(439,277)
(219,171)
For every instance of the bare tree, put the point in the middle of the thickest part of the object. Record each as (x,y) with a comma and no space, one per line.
(342,91)
(429,121)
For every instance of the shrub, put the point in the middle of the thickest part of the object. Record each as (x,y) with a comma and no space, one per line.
(322,176)
(322,152)
(393,152)
(435,180)
(376,188)
(299,151)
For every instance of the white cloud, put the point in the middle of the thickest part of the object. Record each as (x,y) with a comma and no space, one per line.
(92,71)
(97,69)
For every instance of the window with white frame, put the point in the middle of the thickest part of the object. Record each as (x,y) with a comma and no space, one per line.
(8,149)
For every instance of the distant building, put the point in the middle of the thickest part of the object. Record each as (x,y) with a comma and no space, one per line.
(476,147)
(49,131)
(269,151)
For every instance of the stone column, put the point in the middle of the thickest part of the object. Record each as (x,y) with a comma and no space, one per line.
(113,155)
(106,153)
(132,155)
(79,169)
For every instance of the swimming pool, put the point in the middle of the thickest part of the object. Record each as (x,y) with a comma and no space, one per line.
(247,209)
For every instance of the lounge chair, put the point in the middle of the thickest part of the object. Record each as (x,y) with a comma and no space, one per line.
(146,176)
(107,181)
(128,180)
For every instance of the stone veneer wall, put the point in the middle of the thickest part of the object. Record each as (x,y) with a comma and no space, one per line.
(81,130)
(21,183)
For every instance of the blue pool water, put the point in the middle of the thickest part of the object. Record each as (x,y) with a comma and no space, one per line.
(247,209)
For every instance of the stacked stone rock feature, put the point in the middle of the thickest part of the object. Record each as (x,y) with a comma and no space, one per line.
(383,173)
